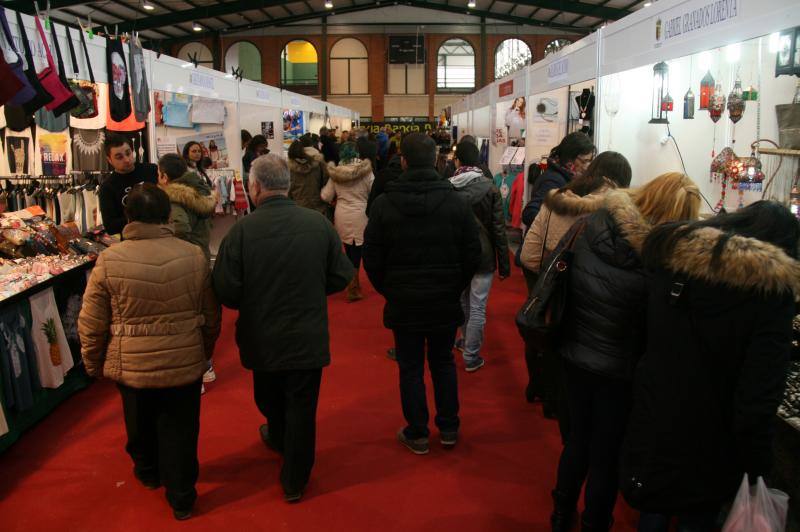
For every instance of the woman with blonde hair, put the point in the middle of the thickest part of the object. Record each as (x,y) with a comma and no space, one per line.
(603,337)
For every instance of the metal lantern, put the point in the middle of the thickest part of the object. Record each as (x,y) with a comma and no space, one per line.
(662,102)
(736,103)
(688,105)
(706,90)
(716,105)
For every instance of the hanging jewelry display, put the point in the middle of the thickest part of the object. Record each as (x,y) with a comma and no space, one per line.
(736,103)
(706,90)
(717,104)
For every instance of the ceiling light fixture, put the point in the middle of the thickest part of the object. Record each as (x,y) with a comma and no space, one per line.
(471,4)
(648,4)
(328,4)
(148,6)
(196,26)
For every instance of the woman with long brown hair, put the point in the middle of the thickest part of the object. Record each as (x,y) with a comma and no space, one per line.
(603,336)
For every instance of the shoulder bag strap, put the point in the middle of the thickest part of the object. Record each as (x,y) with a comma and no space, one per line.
(29,64)
(86,54)
(72,57)
(61,69)
(40,31)
(544,241)
(7,33)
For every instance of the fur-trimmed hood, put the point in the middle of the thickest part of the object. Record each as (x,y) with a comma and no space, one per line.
(745,263)
(567,203)
(305,166)
(191,198)
(629,220)
(347,173)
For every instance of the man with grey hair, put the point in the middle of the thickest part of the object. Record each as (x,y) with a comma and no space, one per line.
(277,266)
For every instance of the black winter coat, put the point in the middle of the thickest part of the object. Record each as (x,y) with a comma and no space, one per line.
(555,177)
(604,328)
(367,149)
(392,171)
(708,386)
(421,249)
(330,150)
(276,266)
(487,205)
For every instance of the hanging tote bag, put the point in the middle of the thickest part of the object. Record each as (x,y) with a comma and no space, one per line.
(42,97)
(49,76)
(84,91)
(757,509)
(72,102)
(540,317)
(25,93)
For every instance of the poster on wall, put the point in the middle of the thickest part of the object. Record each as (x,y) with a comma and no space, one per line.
(293,127)
(546,110)
(515,118)
(268,130)
(213,145)
(165,145)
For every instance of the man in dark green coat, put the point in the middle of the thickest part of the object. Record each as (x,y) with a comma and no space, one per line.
(277,266)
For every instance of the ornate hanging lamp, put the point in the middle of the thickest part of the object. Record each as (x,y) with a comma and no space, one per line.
(736,103)
(662,102)
(716,105)
(688,105)
(706,90)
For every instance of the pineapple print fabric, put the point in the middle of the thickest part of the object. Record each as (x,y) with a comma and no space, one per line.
(54,359)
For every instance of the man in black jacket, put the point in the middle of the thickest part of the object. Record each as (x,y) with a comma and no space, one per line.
(330,148)
(487,206)
(276,266)
(421,249)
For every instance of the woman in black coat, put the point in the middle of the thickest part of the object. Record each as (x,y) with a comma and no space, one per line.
(603,337)
(719,325)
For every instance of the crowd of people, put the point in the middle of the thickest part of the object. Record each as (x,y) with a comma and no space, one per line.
(662,390)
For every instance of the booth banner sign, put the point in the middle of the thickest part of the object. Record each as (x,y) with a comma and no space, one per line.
(201,80)
(558,70)
(213,145)
(506,88)
(402,127)
(693,18)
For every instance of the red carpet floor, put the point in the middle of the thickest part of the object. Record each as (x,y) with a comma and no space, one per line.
(71,473)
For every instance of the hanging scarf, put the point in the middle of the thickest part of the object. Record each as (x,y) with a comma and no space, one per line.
(465,175)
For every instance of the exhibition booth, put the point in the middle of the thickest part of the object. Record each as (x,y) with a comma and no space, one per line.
(52,161)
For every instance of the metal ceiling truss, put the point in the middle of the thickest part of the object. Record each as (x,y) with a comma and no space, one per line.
(199,13)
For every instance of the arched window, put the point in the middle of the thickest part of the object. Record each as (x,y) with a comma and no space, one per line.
(246,56)
(456,66)
(511,55)
(349,67)
(299,67)
(197,51)
(556,45)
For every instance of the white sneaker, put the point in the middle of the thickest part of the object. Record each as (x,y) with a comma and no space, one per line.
(210,376)
(202,389)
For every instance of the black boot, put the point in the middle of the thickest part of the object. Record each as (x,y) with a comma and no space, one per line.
(588,526)
(564,512)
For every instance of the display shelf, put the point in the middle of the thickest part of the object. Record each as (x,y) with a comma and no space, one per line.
(28,292)
(780,151)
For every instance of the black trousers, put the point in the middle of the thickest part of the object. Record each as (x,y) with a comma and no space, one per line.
(288,399)
(163,425)
(353,253)
(410,349)
(599,407)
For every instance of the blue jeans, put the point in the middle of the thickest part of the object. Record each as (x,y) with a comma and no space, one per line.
(473,302)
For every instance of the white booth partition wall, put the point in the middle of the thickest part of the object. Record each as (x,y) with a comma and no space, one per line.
(195,104)
(509,111)
(561,98)
(260,112)
(703,67)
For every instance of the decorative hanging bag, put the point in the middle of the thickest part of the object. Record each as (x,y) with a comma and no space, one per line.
(119,92)
(42,97)
(86,91)
(72,102)
(49,76)
(789,125)
(26,93)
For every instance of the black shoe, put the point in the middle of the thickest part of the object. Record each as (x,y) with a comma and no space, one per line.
(448,439)
(148,482)
(292,496)
(182,515)
(564,512)
(391,353)
(416,446)
(530,394)
(263,430)
(587,526)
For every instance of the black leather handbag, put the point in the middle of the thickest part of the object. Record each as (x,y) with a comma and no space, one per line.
(540,317)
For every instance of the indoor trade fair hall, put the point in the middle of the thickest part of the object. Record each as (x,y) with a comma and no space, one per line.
(356,265)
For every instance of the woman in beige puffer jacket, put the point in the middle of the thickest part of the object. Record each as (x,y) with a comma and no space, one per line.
(350,184)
